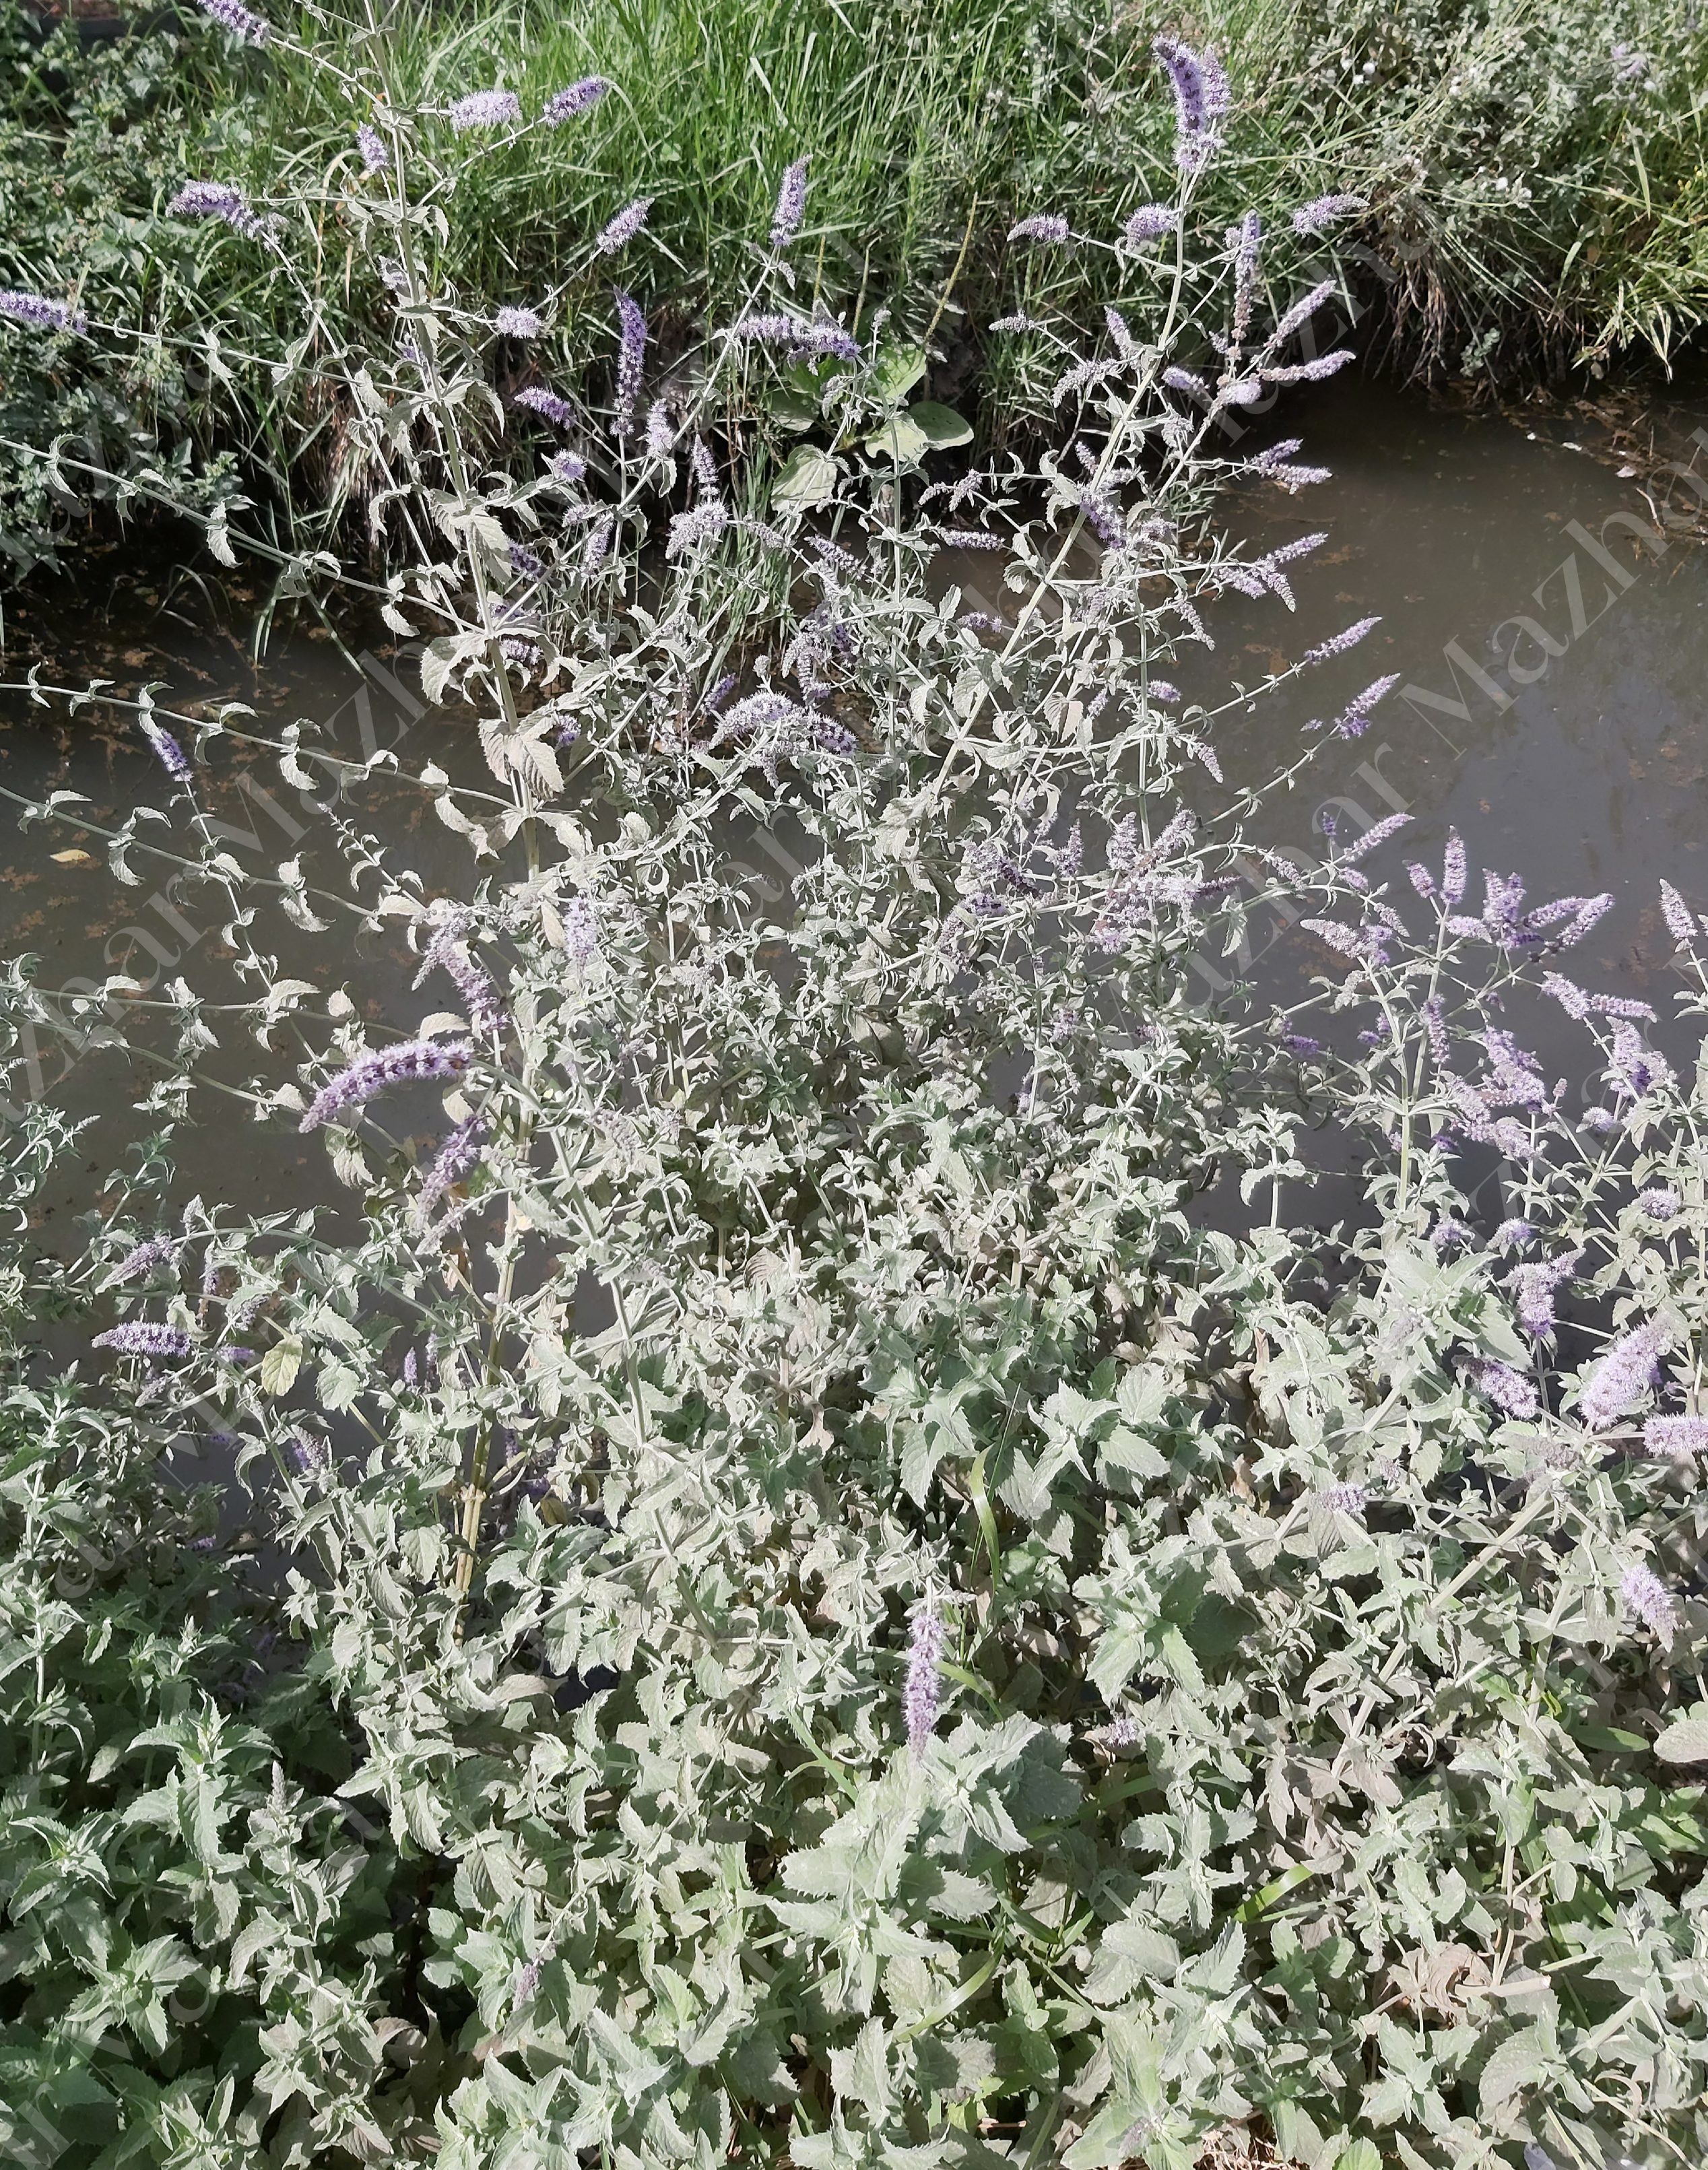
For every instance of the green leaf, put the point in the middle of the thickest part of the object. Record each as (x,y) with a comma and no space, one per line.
(795,409)
(337,1385)
(1358,2154)
(941,426)
(896,372)
(281,1365)
(808,479)
(1684,1741)
(1516,2063)
(901,441)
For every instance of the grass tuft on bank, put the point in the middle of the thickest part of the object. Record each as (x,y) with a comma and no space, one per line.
(1537,186)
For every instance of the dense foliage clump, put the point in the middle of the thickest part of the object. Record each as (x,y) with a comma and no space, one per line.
(818,1572)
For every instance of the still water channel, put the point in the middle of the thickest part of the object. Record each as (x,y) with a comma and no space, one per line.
(1553,710)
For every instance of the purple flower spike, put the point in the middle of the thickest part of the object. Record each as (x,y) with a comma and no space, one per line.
(689,530)
(167,751)
(376,157)
(1644,1595)
(486,109)
(237,19)
(1042,226)
(571,103)
(922,1689)
(1625,1372)
(459,1154)
(538,401)
(1508,1389)
(138,1337)
(1338,644)
(1452,868)
(144,1257)
(1680,924)
(1355,720)
(1678,1436)
(808,342)
(1201,99)
(1149,223)
(791,205)
(1662,1205)
(518,323)
(36,309)
(1325,210)
(1345,1499)
(213,200)
(631,349)
(1534,1287)
(580,931)
(446,954)
(624,227)
(411,1060)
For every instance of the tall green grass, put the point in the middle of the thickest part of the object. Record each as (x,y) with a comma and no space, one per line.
(1531,205)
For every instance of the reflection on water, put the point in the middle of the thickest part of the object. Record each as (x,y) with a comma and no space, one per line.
(1550,708)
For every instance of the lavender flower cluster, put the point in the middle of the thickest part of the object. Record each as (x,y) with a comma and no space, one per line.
(459,1153)
(486,109)
(624,227)
(215,200)
(630,350)
(1623,1375)
(539,401)
(448,953)
(791,205)
(144,1257)
(138,1337)
(167,751)
(805,342)
(1202,98)
(39,311)
(922,1689)
(413,1061)
(571,103)
(237,19)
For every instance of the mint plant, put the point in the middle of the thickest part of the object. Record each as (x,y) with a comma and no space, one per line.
(816,1575)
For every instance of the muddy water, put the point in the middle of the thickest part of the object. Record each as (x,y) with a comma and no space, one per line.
(60,903)
(1551,644)
(1551,707)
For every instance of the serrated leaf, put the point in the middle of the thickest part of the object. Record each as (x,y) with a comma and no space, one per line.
(337,1385)
(281,1365)
(1684,1741)
(794,410)
(1516,2063)
(438,659)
